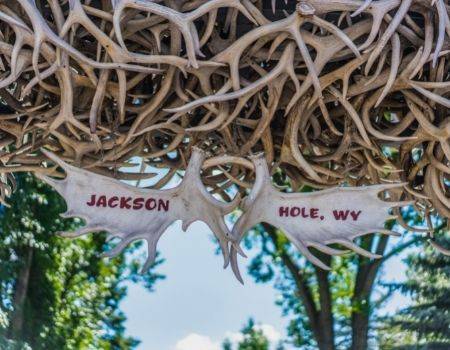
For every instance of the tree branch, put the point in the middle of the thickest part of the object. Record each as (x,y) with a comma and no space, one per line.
(302,286)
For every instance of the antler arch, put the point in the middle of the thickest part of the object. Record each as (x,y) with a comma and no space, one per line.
(332,91)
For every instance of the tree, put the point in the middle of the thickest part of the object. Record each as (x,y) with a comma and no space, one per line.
(328,309)
(253,338)
(426,323)
(57,293)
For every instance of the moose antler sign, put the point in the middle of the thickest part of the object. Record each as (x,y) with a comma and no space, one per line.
(316,219)
(131,213)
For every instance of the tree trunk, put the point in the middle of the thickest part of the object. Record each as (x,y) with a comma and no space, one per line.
(326,319)
(361,306)
(360,330)
(20,294)
(365,280)
(320,316)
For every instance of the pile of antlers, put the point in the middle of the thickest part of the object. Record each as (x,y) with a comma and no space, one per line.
(333,91)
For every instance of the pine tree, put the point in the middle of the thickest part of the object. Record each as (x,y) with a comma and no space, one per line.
(426,323)
(57,293)
(253,339)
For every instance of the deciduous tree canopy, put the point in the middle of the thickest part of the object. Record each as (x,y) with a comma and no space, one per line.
(57,293)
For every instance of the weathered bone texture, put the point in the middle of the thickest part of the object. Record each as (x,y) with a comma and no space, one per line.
(315,219)
(131,213)
(333,91)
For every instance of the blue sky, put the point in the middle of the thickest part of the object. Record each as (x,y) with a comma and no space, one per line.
(199,303)
(197,298)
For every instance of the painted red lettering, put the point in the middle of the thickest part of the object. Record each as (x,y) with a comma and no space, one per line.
(355,214)
(150,204)
(125,202)
(283,211)
(101,201)
(314,213)
(295,211)
(138,203)
(112,202)
(304,213)
(163,204)
(91,203)
(340,214)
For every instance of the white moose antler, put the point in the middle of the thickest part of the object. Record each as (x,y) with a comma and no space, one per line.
(132,213)
(315,219)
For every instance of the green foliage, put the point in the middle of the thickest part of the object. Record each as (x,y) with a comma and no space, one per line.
(426,323)
(269,264)
(57,293)
(326,309)
(227,345)
(253,339)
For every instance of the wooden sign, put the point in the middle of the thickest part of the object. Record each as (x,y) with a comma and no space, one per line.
(314,219)
(132,213)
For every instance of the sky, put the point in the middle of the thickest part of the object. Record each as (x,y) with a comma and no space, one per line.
(199,304)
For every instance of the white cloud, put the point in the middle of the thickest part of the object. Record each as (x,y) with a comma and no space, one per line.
(234,337)
(195,341)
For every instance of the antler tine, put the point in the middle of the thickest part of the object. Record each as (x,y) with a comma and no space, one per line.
(48,180)
(362,8)
(42,33)
(283,66)
(192,177)
(183,21)
(401,13)
(55,159)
